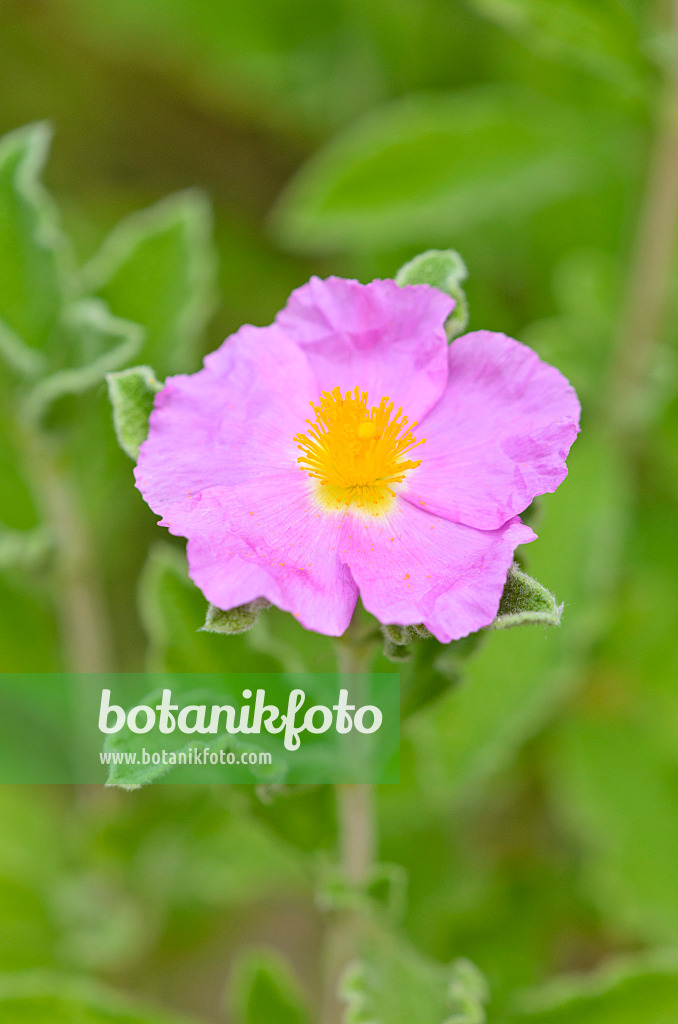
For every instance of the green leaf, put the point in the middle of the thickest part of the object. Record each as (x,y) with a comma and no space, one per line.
(34,258)
(393,983)
(602,37)
(428,167)
(617,795)
(131,393)
(264,991)
(632,991)
(234,620)
(445,270)
(519,678)
(173,610)
(526,602)
(53,999)
(157,268)
(114,341)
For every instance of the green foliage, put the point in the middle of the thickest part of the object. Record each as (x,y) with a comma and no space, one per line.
(446,271)
(393,983)
(24,549)
(157,268)
(603,38)
(429,167)
(173,609)
(614,785)
(234,620)
(525,602)
(644,991)
(264,990)
(38,999)
(34,265)
(109,341)
(536,817)
(131,393)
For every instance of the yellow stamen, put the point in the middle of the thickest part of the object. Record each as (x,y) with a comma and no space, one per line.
(355,451)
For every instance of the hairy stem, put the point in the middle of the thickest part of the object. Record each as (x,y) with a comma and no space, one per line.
(652,260)
(356,826)
(357,831)
(80,610)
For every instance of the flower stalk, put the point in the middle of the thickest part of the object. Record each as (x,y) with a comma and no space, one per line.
(651,265)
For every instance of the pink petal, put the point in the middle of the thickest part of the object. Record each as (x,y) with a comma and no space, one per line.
(498,436)
(387,340)
(266,538)
(417,568)
(232,421)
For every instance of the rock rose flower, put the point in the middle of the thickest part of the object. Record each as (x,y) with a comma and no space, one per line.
(348,449)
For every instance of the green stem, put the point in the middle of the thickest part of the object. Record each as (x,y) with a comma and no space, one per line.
(357,839)
(652,260)
(79,600)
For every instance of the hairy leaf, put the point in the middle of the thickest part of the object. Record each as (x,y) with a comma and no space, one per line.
(526,602)
(157,268)
(427,167)
(53,999)
(234,620)
(392,983)
(115,341)
(445,270)
(131,393)
(264,991)
(640,991)
(34,257)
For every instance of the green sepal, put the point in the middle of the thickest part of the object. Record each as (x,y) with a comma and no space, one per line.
(131,393)
(397,640)
(445,270)
(264,990)
(234,620)
(526,602)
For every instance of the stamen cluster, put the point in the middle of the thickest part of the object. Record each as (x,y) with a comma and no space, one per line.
(356,451)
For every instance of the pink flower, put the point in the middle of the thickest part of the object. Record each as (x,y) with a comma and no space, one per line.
(402,479)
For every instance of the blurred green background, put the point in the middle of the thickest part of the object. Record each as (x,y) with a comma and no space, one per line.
(537,819)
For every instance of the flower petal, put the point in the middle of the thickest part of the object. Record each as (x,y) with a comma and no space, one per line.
(232,421)
(498,436)
(266,538)
(386,339)
(415,567)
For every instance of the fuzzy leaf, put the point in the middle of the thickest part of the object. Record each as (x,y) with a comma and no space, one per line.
(429,167)
(266,992)
(632,991)
(34,257)
(393,983)
(526,602)
(157,268)
(50,999)
(234,620)
(445,270)
(115,341)
(131,393)
(602,37)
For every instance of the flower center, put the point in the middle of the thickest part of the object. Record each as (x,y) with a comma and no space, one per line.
(356,451)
